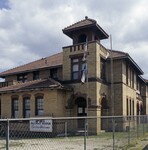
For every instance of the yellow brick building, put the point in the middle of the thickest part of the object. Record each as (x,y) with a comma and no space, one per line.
(52,86)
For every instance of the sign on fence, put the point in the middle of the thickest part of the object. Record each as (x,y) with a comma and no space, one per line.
(41,125)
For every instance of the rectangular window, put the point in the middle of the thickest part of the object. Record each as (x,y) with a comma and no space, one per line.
(102,69)
(133,108)
(130,107)
(127,109)
(130,71)
(54,73)
(133,79)
(35,75)
(26,107)
(77,66)
(22,77)
(39,106)
(15,108)
(137,83)
(127,73)
(0,110)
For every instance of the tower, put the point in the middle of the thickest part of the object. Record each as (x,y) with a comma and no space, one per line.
(85,28)
(80,32)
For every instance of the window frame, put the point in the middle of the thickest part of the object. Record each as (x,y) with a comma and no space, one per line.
(15,108)
(26,107)
(76,75)
(127,76)
(36,75)
(102,69)
(54,73)
(0,108)
(39,106)
(22,77)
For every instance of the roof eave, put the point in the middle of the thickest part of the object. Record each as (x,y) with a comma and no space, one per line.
(128,57)
(142,79)
(105,34)
(69,32)
(140,70)
(26,71)
(57,87)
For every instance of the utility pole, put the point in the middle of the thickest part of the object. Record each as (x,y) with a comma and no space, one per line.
(112,79)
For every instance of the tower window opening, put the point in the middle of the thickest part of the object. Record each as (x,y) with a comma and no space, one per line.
(82,38)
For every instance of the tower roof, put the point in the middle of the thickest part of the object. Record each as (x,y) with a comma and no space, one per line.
(83,24)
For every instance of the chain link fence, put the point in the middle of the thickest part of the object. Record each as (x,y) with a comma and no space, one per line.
(83,133)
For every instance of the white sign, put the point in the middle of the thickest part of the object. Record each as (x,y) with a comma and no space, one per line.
(41,125)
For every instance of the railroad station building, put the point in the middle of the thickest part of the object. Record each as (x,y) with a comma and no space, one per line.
(52,86)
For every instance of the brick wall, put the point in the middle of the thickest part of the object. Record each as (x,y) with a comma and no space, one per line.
(54,103)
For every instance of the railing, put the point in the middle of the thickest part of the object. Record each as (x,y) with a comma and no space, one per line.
(8,83)
(117,132)
(81,46)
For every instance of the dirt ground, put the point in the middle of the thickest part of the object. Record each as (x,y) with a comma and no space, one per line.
(62,144)
(76,143)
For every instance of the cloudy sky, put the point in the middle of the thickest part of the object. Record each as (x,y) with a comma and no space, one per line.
(32,29)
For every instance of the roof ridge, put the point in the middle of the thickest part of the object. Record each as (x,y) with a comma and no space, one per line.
(32,62)
(121,52)
(54,81)
(86,18)
(91,19)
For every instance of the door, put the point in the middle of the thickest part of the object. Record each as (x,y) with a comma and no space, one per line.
(81,112)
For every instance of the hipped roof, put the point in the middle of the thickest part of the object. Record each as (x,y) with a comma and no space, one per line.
(86,23)
(122,55)
(57,60)
(47,62)
(34,85)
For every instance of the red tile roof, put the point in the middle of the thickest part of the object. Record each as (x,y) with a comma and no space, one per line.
(35,84)
(57,60)
(51,61)
(122,55)
(117,54)
(87,22)
(82,23)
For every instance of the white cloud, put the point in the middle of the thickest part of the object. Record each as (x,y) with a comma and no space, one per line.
(32,29)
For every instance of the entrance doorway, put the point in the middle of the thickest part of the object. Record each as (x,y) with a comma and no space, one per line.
(81,111)
(104,112)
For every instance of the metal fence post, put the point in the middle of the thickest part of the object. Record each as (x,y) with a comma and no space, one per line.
(113,132)
(65,129)
(129,132)
(7,135)
(146,123)
(85,133)
(137,127)
(143,121)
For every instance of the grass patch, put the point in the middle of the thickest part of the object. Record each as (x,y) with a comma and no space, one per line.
(3,147)
(16,144)
(132,144)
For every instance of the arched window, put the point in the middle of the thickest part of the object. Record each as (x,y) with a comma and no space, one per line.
(104,103)
(82,38)
(141,109)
